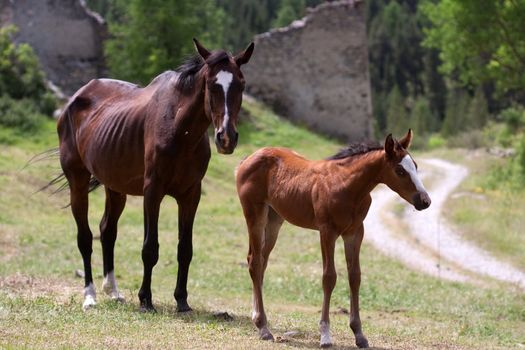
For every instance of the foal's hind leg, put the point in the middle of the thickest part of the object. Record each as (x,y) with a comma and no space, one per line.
(78,179)
(270,235)
(329,279)
(352,248)
(115,203)
(256,219)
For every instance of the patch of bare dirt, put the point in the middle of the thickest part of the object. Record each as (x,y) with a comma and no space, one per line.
(31,287)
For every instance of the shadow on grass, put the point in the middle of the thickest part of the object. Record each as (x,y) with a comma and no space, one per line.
(305,339)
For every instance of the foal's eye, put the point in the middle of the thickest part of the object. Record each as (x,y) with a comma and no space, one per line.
(400,171)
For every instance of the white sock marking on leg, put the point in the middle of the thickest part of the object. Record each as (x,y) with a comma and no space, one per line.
(90,297)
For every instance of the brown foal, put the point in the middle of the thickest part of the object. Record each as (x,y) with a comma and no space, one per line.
(332,196)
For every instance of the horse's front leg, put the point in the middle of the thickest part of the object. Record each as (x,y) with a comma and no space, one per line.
(352,247)
(329,279)
(153,195)
(187,208)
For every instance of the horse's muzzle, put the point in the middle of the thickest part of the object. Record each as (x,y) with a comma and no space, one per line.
(421,200)
(226,141)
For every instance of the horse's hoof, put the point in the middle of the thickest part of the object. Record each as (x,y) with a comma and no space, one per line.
(361,342)
(89,303)
(265,334)
(183,307)
(146,306)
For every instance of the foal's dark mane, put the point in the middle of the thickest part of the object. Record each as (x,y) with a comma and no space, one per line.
(356,148)
(189,68)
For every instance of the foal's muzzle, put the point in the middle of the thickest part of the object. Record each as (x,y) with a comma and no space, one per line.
(421,200)
(226,140)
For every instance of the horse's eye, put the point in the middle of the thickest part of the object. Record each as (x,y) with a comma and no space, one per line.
(400,171)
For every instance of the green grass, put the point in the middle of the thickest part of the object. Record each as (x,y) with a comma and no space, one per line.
(40,299)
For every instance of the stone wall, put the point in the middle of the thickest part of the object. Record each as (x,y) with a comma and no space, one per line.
(65,35)
(315,71)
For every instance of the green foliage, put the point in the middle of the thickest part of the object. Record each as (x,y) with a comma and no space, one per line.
(456,113)
(436,141)
(479,40)
(20,74)
(155,36)
(397,117)
(24,98)
(398,60)
(22,114)
(289,11)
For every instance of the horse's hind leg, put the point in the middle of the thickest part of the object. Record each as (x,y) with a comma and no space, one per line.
(78,179)
(256,218)
(352,248)
(115,203)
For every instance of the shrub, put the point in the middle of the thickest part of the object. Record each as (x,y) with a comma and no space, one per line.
(24,97)
(21,114)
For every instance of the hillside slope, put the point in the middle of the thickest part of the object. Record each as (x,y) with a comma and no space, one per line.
(40,297)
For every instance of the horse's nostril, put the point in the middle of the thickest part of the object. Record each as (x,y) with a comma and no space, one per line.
(218,136)
(235,137)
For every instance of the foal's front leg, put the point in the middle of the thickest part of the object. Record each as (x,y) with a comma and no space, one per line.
(352,248)
(150,250)
(187,208)
(329,279)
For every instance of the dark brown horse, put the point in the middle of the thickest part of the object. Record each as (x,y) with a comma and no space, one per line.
(150,142)
(332,196)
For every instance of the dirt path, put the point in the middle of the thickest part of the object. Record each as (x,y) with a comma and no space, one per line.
(425,241)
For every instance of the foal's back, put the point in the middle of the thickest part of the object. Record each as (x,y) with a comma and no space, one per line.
(285,181)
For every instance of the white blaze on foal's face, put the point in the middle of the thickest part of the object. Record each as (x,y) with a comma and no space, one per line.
(410,167)
(224,79)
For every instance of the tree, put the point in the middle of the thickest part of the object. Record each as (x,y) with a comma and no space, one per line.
(396,113)
(479,40)
(458,101)
(155,35)
(289,11)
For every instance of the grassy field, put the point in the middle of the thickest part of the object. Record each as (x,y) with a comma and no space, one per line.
(40,297)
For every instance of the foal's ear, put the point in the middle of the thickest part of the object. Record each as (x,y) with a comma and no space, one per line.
(406,140)
(203,52)
(244,57)
(390,145)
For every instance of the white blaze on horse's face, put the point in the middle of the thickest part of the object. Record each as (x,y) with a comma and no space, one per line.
(224,79)
(410,167)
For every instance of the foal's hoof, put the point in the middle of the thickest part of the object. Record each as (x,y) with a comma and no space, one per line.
(361,342)
(183,307)
(147,306)
(265,334)
(326,341)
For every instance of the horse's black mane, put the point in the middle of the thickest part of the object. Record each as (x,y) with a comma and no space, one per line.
(356,148)
(188,70)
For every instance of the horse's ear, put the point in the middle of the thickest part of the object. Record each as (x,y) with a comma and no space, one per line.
(203,52)
(406,140)
(390,144)
(244,57)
